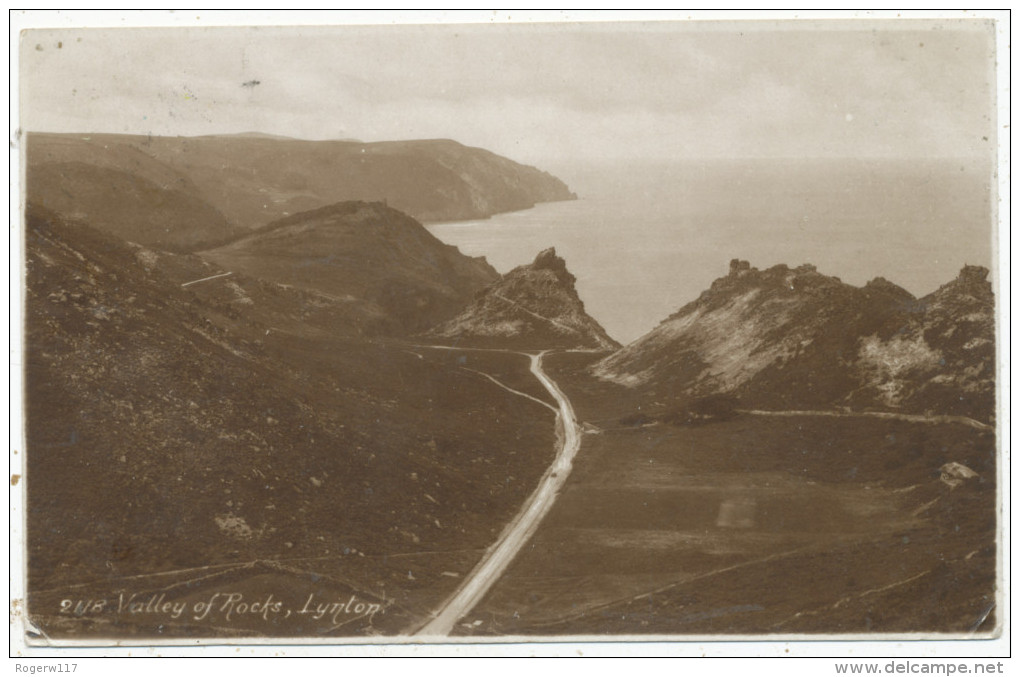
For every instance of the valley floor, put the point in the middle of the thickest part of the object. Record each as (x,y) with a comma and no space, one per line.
(499,556)
(758,525)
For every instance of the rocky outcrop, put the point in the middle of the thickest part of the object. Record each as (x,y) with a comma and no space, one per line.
(183,193)
(942,359)
(793,338)
(535,306)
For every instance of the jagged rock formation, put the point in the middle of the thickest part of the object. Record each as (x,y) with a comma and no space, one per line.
(366,252)
(787,338)
(533,306)
(943,358)
(187,192)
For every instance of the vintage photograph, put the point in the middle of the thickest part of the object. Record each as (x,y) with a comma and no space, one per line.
(476,332)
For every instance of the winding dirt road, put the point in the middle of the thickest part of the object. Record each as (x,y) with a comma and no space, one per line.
(499,555)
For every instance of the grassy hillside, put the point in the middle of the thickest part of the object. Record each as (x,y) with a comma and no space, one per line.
(125,190)
(362,252)
(187,431)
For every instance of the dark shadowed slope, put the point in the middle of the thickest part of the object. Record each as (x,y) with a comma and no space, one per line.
(532,307)
(128,192)
(170,428)
(249,181)
(367,252)
(787,338)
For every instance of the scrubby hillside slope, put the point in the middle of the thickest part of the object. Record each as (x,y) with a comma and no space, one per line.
(167,428)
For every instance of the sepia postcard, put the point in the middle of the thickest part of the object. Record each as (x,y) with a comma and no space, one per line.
(510,332)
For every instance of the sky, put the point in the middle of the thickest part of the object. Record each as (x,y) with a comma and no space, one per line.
(542,94)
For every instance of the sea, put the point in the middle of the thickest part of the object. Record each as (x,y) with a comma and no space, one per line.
(645,238)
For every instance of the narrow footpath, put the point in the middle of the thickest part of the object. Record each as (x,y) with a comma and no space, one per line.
(913,418)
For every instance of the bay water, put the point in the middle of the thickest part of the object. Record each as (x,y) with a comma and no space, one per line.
(645,238)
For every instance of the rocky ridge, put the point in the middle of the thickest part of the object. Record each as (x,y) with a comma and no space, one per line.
(533,306)
(789,338)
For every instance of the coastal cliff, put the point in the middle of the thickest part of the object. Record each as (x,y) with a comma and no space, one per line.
(185,193)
